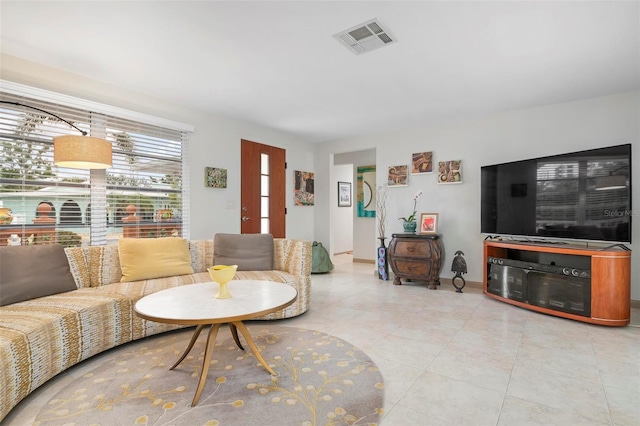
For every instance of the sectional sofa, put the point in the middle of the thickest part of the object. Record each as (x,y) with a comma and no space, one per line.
(42,336)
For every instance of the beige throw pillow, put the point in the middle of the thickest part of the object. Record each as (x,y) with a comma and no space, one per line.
(146,258)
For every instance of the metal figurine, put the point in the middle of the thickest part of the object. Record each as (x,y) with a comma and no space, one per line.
(459,266)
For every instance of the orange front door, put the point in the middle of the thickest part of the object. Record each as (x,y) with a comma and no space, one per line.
(263,187)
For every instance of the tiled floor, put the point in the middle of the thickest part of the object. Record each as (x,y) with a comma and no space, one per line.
(461,359)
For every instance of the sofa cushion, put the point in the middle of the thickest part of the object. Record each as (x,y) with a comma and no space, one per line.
(146,258)
(104,265)
(273,275)
(251,252)
(39,338)
(200,254)
(136,290)
(78,263)
(28,272)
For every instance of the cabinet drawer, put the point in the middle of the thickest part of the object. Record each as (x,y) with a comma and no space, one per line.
(408,267)
(412,248)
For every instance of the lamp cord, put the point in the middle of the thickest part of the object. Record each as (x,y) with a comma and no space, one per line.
(46,112)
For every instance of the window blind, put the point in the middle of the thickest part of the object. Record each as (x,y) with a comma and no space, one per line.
(566,188)
(144,194)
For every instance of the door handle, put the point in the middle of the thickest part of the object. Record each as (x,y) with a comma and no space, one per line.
(245,218)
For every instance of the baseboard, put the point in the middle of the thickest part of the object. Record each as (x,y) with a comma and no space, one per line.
(443,281)
(356,260)
(635,304)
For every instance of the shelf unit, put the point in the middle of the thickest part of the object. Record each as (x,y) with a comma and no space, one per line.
(610,278)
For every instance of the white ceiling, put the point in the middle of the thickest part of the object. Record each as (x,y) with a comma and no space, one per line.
(276,63)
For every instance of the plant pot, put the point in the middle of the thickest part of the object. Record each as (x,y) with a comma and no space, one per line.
(164,215)
(5,216)
(410,227)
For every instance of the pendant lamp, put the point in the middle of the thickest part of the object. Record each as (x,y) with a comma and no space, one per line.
(75,151)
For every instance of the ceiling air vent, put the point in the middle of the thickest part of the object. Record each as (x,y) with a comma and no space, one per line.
(366,37)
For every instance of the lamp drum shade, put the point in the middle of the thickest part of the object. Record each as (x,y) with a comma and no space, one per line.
(82,152)
(611,182)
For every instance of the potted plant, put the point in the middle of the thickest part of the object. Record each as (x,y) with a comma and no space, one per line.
(164,215)
(409,223)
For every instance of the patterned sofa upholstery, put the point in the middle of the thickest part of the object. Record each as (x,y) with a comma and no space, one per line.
(42,337)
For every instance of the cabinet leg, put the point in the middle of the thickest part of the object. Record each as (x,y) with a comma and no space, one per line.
(433,285)
(397,281)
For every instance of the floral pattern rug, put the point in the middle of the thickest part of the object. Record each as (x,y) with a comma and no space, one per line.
(322,380)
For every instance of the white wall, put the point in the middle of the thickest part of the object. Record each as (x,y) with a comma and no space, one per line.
(215,143)
(342,217)
(476,141)
(490,139)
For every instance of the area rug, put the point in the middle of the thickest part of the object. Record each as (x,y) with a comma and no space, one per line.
(322,380)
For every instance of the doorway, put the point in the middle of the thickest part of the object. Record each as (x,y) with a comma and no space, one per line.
(363,235)
(262,188)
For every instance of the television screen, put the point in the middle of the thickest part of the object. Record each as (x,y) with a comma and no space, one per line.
(582,195)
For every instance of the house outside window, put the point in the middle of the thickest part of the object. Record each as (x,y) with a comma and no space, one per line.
(149,172)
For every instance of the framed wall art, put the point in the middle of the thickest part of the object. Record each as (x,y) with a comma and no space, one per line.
(422,163)
(366,191)
(344,194)
(398,176)
(428,224)
(304,188)
(450,171)
(215,177)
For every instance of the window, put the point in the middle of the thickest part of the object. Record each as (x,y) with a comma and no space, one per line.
(149,171)
(566,193)
(264,193)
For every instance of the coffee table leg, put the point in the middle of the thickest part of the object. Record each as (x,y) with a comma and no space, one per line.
(211,338)
(191,343)
(234,333)
(252,345)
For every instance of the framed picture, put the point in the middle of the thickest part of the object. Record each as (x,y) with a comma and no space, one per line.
(304,193)
(215,177)
(366,191)
(450,171)
(428,224)
(422,163)
(397,176)
(344,194)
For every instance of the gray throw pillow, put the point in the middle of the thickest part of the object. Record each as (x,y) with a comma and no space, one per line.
(251,252)
(28,272)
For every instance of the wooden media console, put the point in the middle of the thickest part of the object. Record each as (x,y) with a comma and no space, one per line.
(586,284)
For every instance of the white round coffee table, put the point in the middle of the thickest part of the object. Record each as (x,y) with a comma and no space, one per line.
(195,304)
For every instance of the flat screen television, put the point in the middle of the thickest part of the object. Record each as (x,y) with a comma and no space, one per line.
(583,195)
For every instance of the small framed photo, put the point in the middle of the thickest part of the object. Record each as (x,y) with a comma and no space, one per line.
(215,177)
(344,194)
(397,176)
(450,171)
(304,192)
(428,224)
(421,163)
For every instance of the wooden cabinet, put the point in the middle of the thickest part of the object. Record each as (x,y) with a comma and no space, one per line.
(586,284)
(417,258)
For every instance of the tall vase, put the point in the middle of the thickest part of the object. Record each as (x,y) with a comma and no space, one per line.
(383,266)
(410,227)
